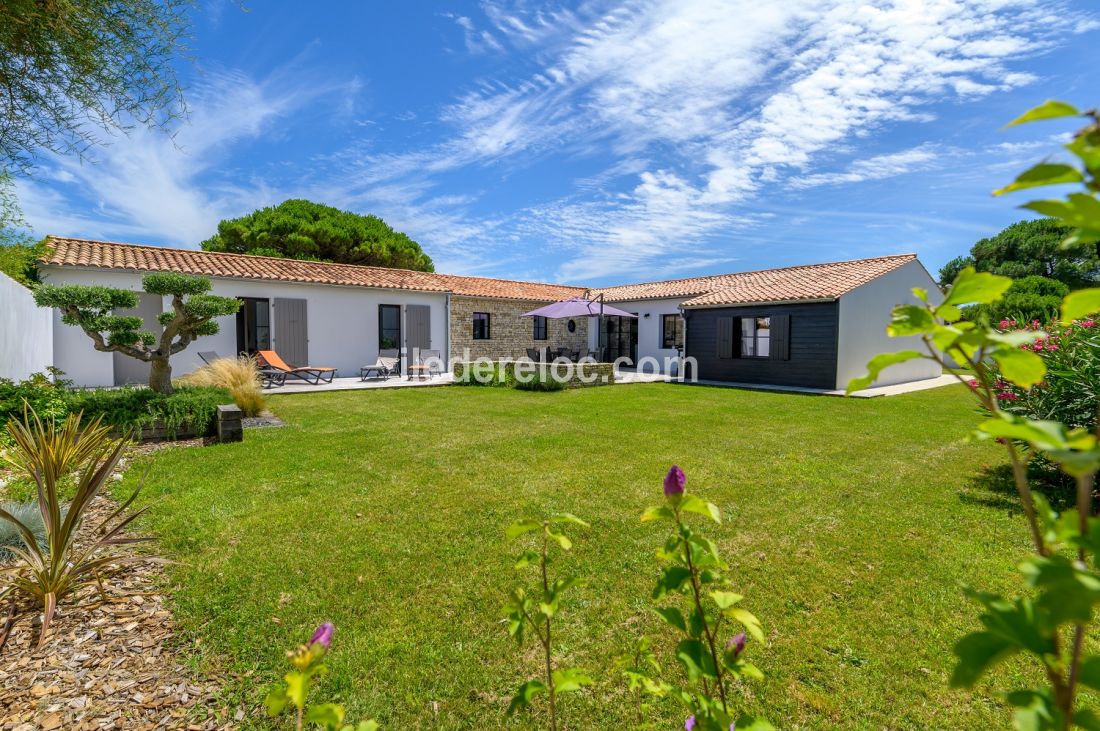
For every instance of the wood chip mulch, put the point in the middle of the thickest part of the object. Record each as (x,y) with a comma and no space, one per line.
(107,665)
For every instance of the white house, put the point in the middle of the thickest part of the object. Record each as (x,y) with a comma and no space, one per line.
(814,326)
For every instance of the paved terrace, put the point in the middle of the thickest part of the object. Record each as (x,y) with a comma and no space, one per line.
(621,377)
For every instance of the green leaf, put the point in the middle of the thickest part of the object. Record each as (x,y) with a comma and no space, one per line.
(276,701)
(1080,304)
(672,579)
(673,616)
(725,599)
(370,725)
(297,687)
(567,518)
(910,320)
(977,652)
(561,539)
(1034,711)
(972,287)
(695,658)
(1022,367)
(749,620)
(527,558)
(878,364)
(753,723)
(658,512)
(1043,174)
(326,715)
(526,692)
(1089,673)
(1050,109)
(1081,210)
(1043,435)
(570,680)
(517,529)
(692,504)
(1086,718)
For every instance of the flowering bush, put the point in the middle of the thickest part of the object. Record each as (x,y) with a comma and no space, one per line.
(710,651)
(1070,393)
(307,661)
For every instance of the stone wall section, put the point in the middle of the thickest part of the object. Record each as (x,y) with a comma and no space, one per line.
(509,334)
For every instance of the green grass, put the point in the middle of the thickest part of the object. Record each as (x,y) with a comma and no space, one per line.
(850,525)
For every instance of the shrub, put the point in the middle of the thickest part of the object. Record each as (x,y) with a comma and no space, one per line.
(44,393)
(541,381)
(1029,298)
(1070,393)
(192,408)
(31,518)
(239,376)
(48,572)
(485,374)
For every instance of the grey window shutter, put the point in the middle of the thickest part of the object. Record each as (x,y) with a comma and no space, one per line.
(725,337)
(781,337)
(291,339)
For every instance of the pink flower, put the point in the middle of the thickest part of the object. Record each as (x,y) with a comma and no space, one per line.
(1005,324)
(973,383)
(689,724)
(675,481)
(737,642)
(1088,323)
(323,635)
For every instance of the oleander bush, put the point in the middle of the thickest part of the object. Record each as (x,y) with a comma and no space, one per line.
(239,376)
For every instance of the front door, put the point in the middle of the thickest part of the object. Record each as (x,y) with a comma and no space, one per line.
(620,336)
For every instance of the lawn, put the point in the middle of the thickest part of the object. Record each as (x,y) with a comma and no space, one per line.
(850,525)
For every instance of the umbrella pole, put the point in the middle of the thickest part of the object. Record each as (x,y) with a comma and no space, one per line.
(599,334)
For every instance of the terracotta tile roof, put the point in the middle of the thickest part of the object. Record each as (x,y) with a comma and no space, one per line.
(816,281)
(134,257)
(507,289)
(811,282)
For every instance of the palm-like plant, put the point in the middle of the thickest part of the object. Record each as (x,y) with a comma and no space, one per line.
(46,573)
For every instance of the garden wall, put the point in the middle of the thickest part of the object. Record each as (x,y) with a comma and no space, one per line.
(598,374)
(26,332)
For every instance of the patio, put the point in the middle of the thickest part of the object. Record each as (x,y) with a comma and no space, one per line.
(353,383)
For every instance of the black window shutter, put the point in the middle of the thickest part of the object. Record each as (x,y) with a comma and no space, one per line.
(781,337)
(725,337)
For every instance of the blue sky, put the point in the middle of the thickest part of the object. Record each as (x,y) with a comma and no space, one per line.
(600,142)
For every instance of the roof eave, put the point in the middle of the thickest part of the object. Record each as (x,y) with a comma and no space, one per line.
(758,303)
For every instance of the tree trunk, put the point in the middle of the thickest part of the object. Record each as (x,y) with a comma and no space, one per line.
(160,375)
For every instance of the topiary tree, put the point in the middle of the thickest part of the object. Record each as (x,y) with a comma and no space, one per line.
(92,308)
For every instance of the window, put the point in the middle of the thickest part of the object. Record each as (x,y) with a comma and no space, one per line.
(389,327)
(481,326)
(756,337)
(540,327)
(672,331)
(253,325)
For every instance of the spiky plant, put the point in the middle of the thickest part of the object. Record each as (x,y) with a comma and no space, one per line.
(45,573)
(239,376)
(30,516)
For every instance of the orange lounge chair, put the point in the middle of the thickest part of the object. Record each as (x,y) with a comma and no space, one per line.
(310,374)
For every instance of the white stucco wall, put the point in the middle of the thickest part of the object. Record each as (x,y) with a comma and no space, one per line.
(26,332)
(864,315)
(649,328)
(342,323)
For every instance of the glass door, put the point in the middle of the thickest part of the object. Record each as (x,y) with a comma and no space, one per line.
(620,338)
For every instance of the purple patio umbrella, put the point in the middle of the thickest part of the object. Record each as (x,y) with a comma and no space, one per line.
(577,307)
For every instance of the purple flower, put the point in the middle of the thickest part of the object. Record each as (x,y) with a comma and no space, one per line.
(675,481)
(322,635)
(689,724)
(737,643)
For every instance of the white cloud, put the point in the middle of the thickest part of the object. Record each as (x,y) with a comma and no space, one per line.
(147,182)
(873,168)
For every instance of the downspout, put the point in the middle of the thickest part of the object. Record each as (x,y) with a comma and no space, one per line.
(447,334)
